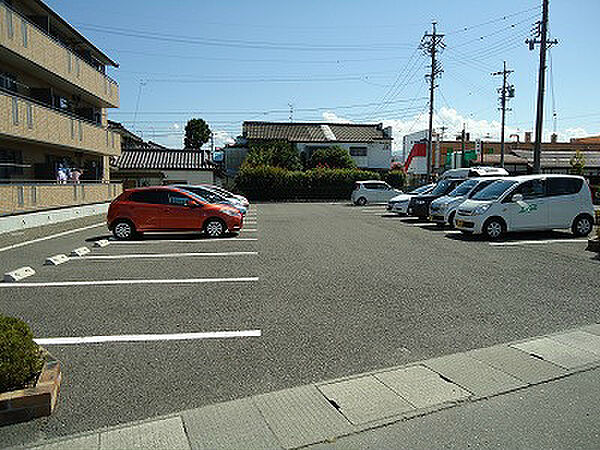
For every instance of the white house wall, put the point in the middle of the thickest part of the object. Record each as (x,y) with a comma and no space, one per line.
(379,154)
(189,176)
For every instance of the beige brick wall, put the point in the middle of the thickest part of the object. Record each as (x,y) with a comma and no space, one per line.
(22,198)
(55,58)
(37,123)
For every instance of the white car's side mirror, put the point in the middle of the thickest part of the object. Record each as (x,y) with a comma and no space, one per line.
(517,198)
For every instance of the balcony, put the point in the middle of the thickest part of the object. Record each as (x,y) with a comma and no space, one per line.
(25,39)
(24,119)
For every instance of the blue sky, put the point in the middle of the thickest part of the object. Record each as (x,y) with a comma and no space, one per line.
(339,60)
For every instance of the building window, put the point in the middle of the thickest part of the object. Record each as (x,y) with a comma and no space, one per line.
(358,151)
(29,116)
(72,129)
(80,130)
(107,137)
(24,32)
(11,163)
(15,111)
(113,139)
(69,62)
(9,24)
(77,67)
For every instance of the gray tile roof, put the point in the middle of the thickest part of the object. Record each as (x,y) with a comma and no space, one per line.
(314,131)
(163,159)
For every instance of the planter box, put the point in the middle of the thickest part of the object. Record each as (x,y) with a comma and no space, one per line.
(29,403)
(593,245)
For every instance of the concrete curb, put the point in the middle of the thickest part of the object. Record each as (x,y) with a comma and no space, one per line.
(37,219)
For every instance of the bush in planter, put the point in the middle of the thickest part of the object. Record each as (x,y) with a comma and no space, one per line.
(336,183)
(21,359)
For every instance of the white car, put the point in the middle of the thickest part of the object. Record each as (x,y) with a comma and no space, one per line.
(527,203)
(234,198)
(475,172)
(372,191)
(443,209)
(399,204)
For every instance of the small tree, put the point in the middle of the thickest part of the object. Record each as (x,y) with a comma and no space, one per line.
(332,157)
(281,154)
(577,162)
(197,133)
(395,178)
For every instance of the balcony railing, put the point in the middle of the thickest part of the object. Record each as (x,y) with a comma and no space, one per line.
(27,39)
(26,92)
(23,118)
(40,196)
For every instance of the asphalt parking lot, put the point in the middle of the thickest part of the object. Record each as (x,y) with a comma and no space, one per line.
(334,290)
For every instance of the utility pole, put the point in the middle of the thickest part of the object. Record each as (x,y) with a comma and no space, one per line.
(429,44)
(542,39)
(506,92)
(462,147)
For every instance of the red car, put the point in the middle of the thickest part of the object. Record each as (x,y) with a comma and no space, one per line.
(163,208)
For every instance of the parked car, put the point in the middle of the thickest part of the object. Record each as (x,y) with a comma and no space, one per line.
(419,204)
(372,191)
(475,172)
(526,203)
(166,208)
(229,195)
(211,196)
(399,203)
(443,209)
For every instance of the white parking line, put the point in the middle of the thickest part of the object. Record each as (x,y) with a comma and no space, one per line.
(162,241)
(148,337)
(161,255)
(548,241)
(52,236)
(129,282)
(249,229)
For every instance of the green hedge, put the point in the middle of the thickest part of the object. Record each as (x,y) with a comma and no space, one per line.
(21,360)
(274,183)
(395,178)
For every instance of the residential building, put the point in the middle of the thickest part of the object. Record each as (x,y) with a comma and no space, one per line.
(54,95)
(369,145)
(144,163)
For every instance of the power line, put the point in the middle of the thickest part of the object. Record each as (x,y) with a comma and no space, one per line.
(237,43)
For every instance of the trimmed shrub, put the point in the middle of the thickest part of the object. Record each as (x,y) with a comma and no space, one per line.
(395,178)
(334,157)
(275,183)
(21,359)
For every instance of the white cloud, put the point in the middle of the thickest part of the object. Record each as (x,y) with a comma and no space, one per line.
(222,138)
(453,121)
(176,126)
(330,116)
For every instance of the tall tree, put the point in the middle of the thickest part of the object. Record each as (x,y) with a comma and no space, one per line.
(197,133)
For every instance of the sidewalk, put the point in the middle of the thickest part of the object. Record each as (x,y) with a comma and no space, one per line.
(537,393)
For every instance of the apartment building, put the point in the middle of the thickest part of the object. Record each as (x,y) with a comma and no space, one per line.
(54,95)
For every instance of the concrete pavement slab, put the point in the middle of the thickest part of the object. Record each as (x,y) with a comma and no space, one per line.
(561,414)
(301,416)
(167,434)
(518,364)
(365,399)
(584,341)
(90,442)
(557,353)
(422,387)
(231,425)
(475,376)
